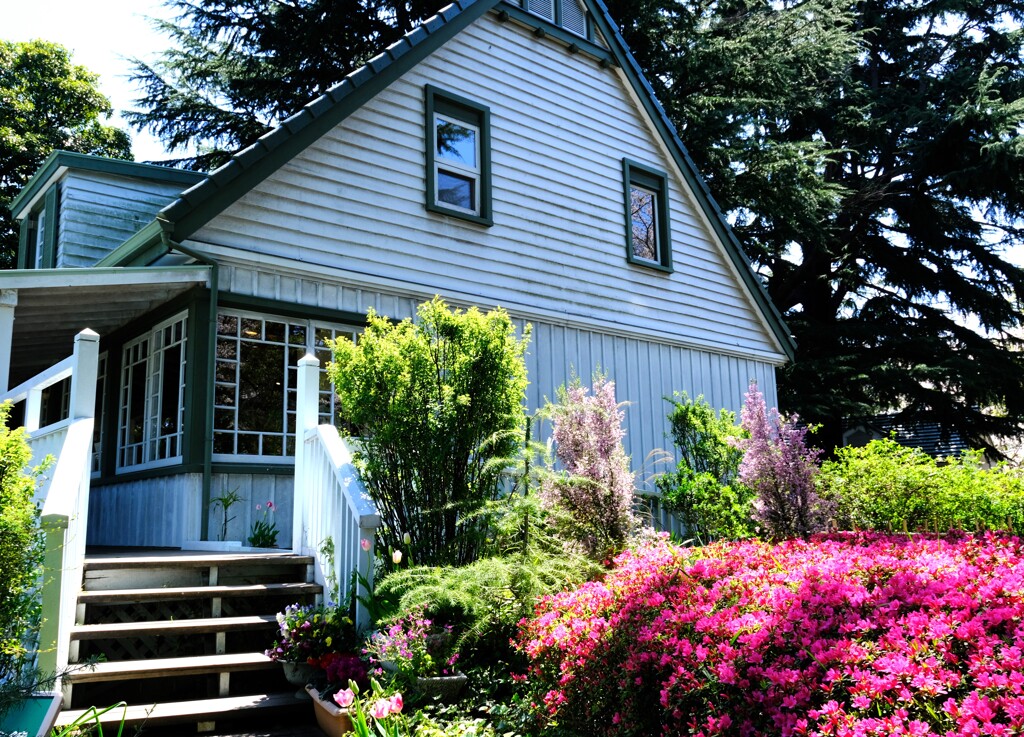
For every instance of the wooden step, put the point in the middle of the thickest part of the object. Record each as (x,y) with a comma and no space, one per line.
(181,711)
(173,627)
(191,559)
(124,670)
(127,596)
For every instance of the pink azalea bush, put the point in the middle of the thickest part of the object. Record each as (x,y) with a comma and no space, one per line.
(839,636)
(596,490)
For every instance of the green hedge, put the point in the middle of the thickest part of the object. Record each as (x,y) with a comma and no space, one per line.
(885,486)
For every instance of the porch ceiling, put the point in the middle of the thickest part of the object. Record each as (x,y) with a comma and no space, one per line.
(55,305)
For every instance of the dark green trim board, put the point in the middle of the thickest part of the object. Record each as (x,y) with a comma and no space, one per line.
(257,469)
(636,174)
(250,167)
(198,366)
(24,241)
(85,162)
(440,102)
(148,473)
(51,208)
(140,250)
(244,302)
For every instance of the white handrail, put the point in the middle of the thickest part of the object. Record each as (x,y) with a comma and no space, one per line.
(330,500)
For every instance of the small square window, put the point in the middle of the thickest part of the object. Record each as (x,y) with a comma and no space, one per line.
(647,232)
(458,157)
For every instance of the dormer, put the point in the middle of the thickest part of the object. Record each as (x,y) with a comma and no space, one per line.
(78,208)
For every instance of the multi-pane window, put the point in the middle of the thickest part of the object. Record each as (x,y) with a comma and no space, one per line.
(151,420)
(101,401)
(256,374)
(458,157)
(647,233)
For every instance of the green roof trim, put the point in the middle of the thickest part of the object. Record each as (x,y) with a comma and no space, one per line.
(86,162)
(139,249)
(199,204)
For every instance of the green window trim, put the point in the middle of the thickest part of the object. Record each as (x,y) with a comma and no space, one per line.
(445,107)
(652,185)
(38,249)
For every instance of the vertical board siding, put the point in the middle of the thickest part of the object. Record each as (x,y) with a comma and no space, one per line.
(353,202)
(254,489)
(160,512)
(101,211)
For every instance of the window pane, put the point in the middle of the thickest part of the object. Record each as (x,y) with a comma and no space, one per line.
(260,388)
(456,143)
(170,395)
(455,189)
(227,325)
(645,237)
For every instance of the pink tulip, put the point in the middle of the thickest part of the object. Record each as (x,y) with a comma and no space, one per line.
(381,708)
(270,506)
(345,698)
(397,704)
(365,545)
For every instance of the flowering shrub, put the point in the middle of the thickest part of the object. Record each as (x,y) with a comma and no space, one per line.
(307,633)
(842,635)
(597,488)
(413,646)
(778,466)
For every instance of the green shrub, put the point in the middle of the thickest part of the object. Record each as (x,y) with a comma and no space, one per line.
(885,486)
(21,550)
(438,406)
(702,491)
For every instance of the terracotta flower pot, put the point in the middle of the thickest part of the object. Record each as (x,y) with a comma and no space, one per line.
(331,718)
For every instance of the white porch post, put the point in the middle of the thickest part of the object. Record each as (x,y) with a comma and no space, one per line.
(307,415)
(8,301)
(83,380)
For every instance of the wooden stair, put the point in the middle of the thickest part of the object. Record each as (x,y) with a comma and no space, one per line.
(180,636)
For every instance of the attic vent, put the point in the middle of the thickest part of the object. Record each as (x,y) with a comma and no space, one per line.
(574,17)
(543,8)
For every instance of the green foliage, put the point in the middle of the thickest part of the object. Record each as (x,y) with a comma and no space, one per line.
(438,407)
(885,486)
(46,103)
(235,69)
(702,491)
(870,157)
(21,550)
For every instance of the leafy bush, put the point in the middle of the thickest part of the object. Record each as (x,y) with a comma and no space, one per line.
(780,469)
(702,491)
(863,634)
(438,406)
(21,550)
(884,485)
(596,488)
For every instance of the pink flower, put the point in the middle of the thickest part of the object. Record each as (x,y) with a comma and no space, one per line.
(258,508)
(381,708)
(270,505)
(345,698)
(365,544)
(397,704)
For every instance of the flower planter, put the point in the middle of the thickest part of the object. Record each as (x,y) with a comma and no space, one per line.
(447,688)
(33,716)
(298,674)
(331,718)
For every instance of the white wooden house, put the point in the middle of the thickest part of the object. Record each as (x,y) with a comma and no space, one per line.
(501,154)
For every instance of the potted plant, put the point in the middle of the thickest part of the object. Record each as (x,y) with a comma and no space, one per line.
(341,671)
(305,635)
(419,654)
(344,712)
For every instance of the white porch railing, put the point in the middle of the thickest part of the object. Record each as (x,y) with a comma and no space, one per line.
(330,500)
(64,492)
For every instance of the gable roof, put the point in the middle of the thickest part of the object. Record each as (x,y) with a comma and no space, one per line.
(198,205)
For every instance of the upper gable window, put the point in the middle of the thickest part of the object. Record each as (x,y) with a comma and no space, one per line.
(569,14)
(647,231)
(458,157)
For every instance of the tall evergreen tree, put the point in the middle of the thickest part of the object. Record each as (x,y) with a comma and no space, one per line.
(236,69)
(870,156)
(46,103)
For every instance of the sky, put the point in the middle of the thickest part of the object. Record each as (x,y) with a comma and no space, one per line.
(103,35)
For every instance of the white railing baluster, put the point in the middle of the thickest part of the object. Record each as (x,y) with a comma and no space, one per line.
(330,499)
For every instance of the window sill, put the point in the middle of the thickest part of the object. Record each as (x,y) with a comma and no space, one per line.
(653,265)
(467,216)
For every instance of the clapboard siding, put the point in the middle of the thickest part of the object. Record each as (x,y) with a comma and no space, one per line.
(352,203)
(101,211)
(645,371)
